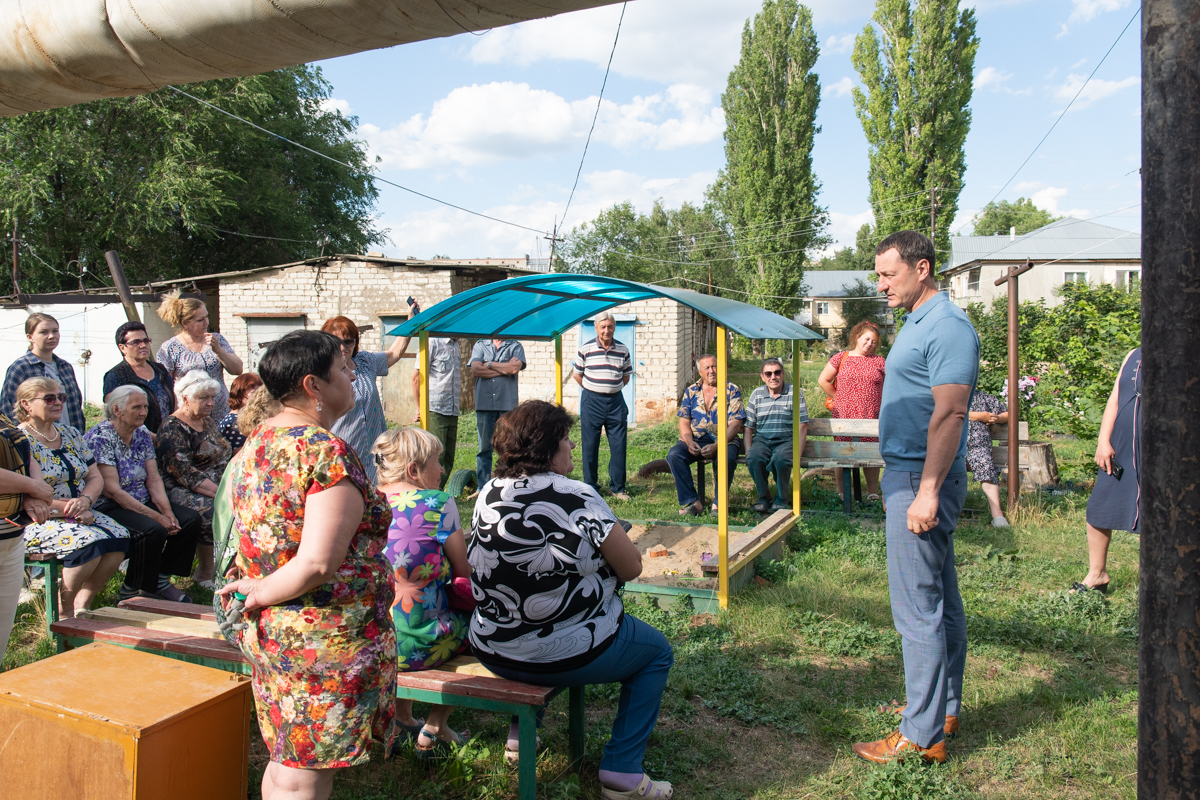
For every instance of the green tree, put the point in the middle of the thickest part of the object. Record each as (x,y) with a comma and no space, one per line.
(860,306)
(153,177)
(859,257)
(768,191)
(1002,217)
(917,71)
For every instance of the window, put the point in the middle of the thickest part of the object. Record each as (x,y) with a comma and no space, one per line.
(822,308)
(263,331)
(1075,277)
(1129,279)
(973,281)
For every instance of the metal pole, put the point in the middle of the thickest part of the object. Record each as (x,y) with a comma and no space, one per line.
(16,285)
(796,472)
(423,365)
(118,275)
(720,491)
(558,376)
(1014,395)
(1169,583)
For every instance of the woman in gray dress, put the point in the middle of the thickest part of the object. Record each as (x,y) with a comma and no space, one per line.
(1116,497)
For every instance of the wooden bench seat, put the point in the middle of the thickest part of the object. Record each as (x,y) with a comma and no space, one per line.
(188,632)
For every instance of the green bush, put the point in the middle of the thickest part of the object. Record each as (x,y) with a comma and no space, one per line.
(1074,349)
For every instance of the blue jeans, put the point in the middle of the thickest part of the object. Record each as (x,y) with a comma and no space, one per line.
(486,422)
(773,456)
(640,658)
(607,411)
(680,460)
(926,606)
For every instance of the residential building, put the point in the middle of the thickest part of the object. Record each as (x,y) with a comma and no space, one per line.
(821,306)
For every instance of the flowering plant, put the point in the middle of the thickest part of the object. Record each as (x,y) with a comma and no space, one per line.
(1026,387)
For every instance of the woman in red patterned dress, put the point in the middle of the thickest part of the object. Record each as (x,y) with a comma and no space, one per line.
(853,379)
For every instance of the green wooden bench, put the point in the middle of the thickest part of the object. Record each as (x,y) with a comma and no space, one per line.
(187,632)
(51,570)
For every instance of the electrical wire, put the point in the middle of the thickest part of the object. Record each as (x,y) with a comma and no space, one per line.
(771,296)
(251,235)
(459,24)
(1060,116)
(351,167)
(595,116)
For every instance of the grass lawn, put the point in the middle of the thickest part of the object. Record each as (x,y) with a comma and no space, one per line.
(766,698)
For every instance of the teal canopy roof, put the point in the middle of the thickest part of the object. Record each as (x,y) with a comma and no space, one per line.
(545,306)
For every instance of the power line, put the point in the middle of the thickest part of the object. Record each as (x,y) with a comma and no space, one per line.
(351,167)
(1063,114)
(251,235)
(595,116)
(459,24)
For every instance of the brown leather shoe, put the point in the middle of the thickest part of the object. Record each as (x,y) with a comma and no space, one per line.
(950,728)
(895,744)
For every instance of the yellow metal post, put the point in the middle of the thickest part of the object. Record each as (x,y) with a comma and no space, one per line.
(796,471)
(423,365)
(558,378)
(720,491)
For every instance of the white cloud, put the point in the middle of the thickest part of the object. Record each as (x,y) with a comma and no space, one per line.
(839,44)
(481,124)
(841,88)
(843,228)
(1048,197)
(667,41)
(336,104)
(1095,90)
(1087,10)
(990,76)
(1079,63)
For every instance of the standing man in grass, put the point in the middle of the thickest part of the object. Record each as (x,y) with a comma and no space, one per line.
(445,390)
(495,363)
(931,372)
(602,368)
(769,436)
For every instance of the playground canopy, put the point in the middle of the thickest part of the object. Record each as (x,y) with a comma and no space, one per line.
(542,307)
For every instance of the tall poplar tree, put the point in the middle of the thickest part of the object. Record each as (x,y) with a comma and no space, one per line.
(917,69)
(767,189)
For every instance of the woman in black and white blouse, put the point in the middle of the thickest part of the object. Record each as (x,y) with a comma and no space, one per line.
(548,556)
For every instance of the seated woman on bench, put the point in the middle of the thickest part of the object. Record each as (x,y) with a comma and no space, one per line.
(548,556)
(428,553)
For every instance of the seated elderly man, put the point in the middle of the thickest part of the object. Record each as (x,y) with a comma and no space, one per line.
(698,433)
(769,436)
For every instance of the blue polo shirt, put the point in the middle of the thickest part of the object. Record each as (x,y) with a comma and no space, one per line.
(937,345)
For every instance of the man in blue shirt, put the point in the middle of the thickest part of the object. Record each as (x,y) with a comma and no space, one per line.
(931,372)
(495,364)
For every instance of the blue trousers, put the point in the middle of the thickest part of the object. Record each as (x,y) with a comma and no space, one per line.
(607,411)
(926,606)
(486,422)
(680,460)
(639,659)
(773,456)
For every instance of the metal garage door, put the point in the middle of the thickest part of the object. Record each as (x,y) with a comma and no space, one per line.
(262,331)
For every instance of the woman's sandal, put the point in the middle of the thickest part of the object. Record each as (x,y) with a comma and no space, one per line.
(513,757)
(1102,588)
(437,750)
(646,790)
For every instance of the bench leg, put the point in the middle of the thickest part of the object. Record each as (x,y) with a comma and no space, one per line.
(847,501)
(577,728)
(857,484)
(50,573)
(527,739)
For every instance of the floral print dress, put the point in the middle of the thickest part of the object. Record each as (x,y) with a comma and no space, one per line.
(65,469)
(324,664)
(179,360)
(186,457)
(428,631)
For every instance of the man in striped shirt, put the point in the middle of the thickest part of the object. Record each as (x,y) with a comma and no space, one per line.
(769,436)
(602,368)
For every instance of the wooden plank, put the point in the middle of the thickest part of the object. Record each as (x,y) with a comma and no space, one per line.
(1000,432)
(475,686)
(743,543)
(1000,456)
(40,557)
(843,427)
(103,631)
(764,544)
(206,649)
(466,665)
(203,629)
(842,451)
(169,608)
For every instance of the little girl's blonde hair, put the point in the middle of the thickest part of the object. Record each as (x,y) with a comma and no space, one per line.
(397,448)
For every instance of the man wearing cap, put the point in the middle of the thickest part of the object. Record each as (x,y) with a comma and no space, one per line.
(602,368)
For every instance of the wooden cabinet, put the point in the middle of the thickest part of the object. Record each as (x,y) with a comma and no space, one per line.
(108,723)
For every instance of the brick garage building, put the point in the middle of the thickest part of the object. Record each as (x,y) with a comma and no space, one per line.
(255,307)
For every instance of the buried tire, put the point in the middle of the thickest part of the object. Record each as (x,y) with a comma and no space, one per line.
(460,480)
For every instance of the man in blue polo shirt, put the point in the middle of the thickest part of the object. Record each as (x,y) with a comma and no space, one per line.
(602,368)
(931,372)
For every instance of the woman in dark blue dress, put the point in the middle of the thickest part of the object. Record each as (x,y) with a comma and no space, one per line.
(1116,497)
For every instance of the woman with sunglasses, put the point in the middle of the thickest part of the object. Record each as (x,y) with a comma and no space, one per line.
(91,545)
(136,369)
(365,422)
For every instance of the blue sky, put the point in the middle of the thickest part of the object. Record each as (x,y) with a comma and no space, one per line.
(497,123)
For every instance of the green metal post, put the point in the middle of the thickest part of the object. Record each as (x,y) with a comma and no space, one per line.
(527,739)
(576,728)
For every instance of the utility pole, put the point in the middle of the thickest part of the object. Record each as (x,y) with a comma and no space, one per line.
(1014,377)
(554,239)
(118,275)
(16,285)
(1168,728)
(933,215)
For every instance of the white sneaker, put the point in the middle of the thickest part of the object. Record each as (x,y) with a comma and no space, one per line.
(999,522)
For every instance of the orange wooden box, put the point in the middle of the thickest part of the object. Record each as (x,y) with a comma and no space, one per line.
(108,723)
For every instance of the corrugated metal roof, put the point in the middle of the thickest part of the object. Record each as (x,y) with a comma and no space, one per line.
(504,264)
(544,306)
(829,283)
(1065,239)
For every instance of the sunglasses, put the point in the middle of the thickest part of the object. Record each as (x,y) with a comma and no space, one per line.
(51,398)
(348,342)
(772,373)
(136,342)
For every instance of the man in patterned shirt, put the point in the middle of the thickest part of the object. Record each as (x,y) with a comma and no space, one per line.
(698,433)
(602,368)
(769,436)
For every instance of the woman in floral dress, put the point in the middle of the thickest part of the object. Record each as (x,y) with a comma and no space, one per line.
(318,594)
(428,553)
(853,380)
(90,544)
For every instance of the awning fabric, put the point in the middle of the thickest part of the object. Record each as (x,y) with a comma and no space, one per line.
(545,306)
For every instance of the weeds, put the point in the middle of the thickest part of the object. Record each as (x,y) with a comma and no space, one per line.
(910,779)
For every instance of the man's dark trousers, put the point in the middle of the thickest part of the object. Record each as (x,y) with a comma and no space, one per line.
(772,456)
(607,411)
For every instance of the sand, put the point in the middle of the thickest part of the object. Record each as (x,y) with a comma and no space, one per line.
(685,544)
